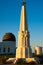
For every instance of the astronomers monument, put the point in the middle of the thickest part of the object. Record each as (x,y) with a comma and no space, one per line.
(23,50)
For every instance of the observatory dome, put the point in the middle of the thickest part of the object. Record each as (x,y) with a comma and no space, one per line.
(9,37)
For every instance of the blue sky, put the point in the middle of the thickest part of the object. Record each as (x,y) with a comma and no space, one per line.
(10,19)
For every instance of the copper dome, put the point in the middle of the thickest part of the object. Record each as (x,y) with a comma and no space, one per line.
(9,37)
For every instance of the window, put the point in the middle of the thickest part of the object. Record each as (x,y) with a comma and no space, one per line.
(8,49)
(0,49)
(3,49)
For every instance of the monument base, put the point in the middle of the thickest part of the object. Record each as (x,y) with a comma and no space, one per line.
(24,60)
(21,60)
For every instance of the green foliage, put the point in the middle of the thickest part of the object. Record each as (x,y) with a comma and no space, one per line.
(39,56)
(4,57)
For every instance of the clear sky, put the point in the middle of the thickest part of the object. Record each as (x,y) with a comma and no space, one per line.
(10,19)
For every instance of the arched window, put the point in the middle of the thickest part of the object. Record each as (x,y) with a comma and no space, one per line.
(8,49)
(4,49)
(0,49)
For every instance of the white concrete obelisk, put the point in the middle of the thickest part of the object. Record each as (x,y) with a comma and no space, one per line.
(23,50)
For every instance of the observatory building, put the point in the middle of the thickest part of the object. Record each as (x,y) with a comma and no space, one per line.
(38,50)
(8,44)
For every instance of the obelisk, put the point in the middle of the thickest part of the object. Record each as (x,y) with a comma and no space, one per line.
(23,50)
